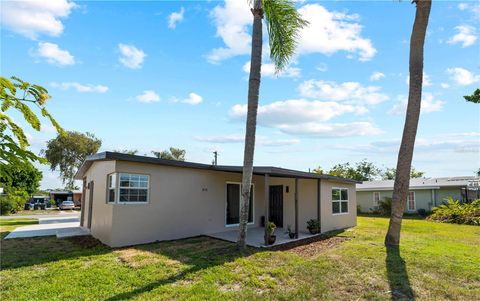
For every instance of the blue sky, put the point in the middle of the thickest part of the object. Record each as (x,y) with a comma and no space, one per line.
(150,75)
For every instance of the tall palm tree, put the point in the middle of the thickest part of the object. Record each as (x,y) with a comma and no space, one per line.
(405,154)
(283,24)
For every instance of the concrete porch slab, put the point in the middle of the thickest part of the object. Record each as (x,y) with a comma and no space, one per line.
(255,237)
(56,226)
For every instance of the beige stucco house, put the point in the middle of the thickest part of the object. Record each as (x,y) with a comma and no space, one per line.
(424,193)
(130,199)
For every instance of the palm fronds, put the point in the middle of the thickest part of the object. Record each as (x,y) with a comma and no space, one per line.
(283,24)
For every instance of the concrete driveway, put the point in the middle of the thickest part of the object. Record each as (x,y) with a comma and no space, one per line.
(65,226)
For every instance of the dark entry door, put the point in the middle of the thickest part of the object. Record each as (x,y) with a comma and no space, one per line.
(90,205)
(276,205)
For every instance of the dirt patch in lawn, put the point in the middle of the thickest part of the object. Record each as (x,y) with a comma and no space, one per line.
(312,246)
(136,258)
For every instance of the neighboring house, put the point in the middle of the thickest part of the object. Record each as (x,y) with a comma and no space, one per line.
(132,199)
(424,193)
(66,195)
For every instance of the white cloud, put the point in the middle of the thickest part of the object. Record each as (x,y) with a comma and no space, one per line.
(351,92)
(130,56)
(88,88)
(54,55)
(293,111)
(304,117)
(237,138)
(429,104)
(232,22)
(327,33)
(332,130)
(268,70)
(148,96)
(426,80)
(193,99)
(32,18)
(462,76)
(376,76)
(456,142)
(466,35)
(175,18)
(330,31)
(445,85)
(462,6)
(47,128)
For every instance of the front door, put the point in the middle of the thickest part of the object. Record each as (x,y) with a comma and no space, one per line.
(82,204)
(90,205)
(276,205)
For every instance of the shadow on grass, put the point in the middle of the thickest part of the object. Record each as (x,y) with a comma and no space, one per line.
(397,275)
(196,253)
(21,252)
(303,242)
(413,216)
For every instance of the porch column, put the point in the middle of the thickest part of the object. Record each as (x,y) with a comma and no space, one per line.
(319,190)
(296,207)
(267,203)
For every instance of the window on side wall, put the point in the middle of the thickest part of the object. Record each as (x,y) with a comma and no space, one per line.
(339,200)
(411,201)
(111,188)
(376,199)
(133,188)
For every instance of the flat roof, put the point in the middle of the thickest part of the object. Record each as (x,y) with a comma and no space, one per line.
(422,183)
(258,170)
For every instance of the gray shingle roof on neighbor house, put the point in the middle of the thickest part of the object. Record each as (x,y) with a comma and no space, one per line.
(258,170)
(421,183)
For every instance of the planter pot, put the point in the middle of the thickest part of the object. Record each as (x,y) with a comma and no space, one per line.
(271,239)
(314,230)
(291,235)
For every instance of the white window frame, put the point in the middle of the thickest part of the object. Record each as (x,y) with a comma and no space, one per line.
(340,201)
(109,187)
(376,202)
(414,202)
(117,189)
(240,196)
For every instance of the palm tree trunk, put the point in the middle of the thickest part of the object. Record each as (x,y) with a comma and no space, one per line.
(251,125)
(405,154)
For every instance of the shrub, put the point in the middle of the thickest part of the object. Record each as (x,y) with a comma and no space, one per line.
(454,212)
(271,228)
(313,226)
(14,200)
(6,205)
(385,206)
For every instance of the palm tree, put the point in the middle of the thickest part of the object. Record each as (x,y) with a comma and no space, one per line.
(405,154)
(283,24)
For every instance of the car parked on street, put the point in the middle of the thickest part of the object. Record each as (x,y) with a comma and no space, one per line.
(67,205)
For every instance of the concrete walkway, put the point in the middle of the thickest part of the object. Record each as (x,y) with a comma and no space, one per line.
(60,226)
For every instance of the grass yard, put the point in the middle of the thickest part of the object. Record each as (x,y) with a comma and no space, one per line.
(435,262)
(7,225)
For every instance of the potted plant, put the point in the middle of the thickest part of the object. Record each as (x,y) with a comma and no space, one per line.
(313,226)
(290,233)
(271,233)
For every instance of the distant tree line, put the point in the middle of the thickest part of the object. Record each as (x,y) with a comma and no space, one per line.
(364,171)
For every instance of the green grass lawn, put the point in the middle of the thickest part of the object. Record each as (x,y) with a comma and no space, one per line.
(435,262)
(7,225)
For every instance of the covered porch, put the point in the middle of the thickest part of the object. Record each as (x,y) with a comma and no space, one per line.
(255,236)
(288,198)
